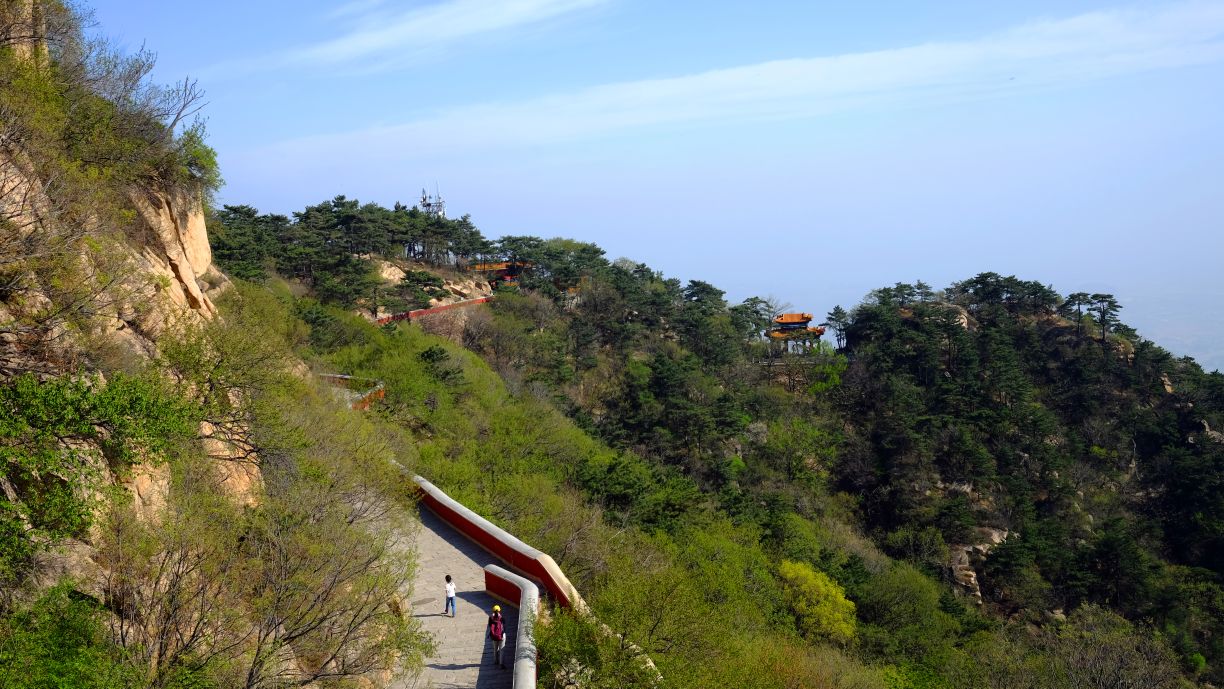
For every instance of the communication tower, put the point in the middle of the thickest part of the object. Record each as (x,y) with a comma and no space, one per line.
(432,205)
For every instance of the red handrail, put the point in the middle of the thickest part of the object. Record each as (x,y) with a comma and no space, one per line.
(417,313)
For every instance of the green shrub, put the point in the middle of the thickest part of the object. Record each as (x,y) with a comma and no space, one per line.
(198,160)
(902,608)
(51,433)
(818,603)
(574,648)
(61,642)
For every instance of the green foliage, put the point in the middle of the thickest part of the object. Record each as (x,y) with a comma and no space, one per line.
(924,547)
(89,138)
(242,241)
(52,436)
(308,556)
(818,603)
(60,642)
(940,412)
(1093,648)
(903,616)
(1192,513)
(574,649)
(328,247)
(331,328)
(945,411)
(418,287)
(975,409)
(198,159)
(826,369)
(92,119)
(439,365)
(511,458)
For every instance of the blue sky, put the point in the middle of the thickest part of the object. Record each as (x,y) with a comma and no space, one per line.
(809,151)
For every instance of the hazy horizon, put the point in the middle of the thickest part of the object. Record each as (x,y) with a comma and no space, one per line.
(811,153)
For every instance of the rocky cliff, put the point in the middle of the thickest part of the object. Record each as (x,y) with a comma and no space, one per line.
(174,275)
(83,296)
(177,246)
(74,281)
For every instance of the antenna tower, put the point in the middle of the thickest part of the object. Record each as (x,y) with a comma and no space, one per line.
(432,205)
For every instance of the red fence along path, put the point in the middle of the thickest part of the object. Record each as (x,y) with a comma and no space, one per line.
(506,585)
(518,591)
(517,555)
(410,315)
(463,656)
(359,396)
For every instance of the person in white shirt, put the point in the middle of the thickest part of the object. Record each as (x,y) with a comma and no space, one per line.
(450,597)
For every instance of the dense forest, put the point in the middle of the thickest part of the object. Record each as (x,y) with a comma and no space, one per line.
(986,485)
(327,247)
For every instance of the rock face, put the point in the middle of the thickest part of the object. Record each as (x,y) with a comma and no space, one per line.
(962,317)
(388,271)
(468,288)
(237,472)
(73,559)
(452,324)
(26,29)
(171,240)
(1214,436)
(174,244)
(149,486)
(170,273)
(158,271)
(966,558)
(163,260)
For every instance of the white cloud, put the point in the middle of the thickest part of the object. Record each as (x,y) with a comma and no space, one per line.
(355,8)
(374,36)
(1032,56)
(382,34)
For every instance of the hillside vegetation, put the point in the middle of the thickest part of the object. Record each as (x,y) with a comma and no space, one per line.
(900,509)
(988,485)
(180,506)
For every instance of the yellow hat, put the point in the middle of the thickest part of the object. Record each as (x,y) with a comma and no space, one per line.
(496,608)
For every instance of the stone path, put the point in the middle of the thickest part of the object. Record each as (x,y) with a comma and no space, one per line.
(464,658)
